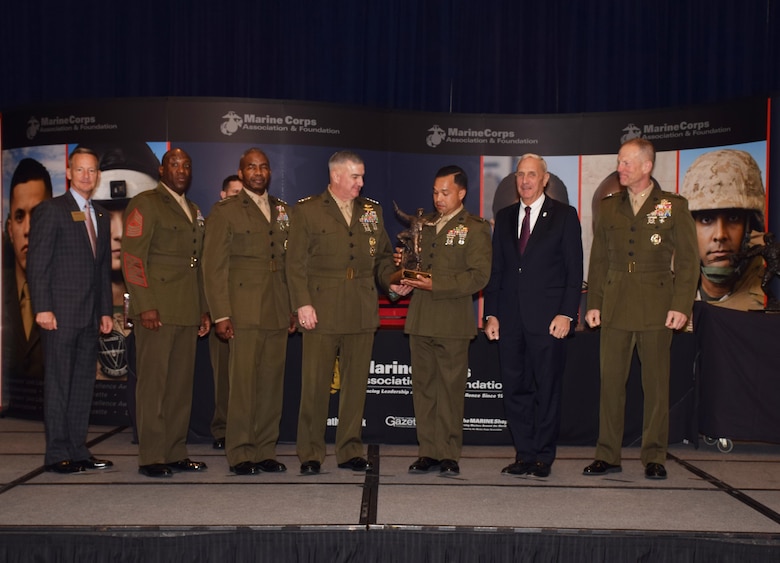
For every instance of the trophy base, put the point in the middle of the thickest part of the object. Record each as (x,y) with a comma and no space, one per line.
(412,274)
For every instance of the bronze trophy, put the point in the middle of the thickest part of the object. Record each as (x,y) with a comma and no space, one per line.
(410,239)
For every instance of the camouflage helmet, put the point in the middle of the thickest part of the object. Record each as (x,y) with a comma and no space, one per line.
(725,179)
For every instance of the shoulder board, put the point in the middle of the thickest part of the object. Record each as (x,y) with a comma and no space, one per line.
(222,202)
(280,201)
(477,218)
(671,194)
(371,200)
(305,199)
(613,194)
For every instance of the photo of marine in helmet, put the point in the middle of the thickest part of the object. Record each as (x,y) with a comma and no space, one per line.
(726,197)
(126,170)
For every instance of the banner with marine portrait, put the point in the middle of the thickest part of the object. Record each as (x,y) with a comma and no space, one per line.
(715,155)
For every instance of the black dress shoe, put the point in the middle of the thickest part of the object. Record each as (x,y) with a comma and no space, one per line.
(245,468)
(310,467)
(655,471)
(187,464)
(541,469)
(600,467)
(95,463)
(449,467)
(519,467)
(155,470)
(218,444)
(356,464)
(423,465)
(271,466)
(65,466)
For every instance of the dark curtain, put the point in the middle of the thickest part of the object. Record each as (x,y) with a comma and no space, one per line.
(508,56)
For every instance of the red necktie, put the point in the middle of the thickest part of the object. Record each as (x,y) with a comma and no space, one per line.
(90,229)
(525,230)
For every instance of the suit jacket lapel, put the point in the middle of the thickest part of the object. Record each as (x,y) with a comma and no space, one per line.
(74,206)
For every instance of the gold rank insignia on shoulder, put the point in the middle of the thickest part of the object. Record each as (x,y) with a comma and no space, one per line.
(661,212)
(305,199)
(369,219)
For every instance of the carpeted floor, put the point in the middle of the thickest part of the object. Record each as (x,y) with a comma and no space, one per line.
(707,491)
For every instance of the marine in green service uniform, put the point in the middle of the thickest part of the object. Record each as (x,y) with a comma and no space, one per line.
(246,289)
(161,253)
(457,252)
(639,300)
(338,247)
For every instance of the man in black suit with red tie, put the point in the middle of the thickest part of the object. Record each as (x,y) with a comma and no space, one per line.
(533,296)
(69,274)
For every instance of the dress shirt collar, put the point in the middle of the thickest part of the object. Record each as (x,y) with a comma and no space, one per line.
(536,207)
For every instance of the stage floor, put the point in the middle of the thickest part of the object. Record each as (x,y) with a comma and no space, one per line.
(735,496)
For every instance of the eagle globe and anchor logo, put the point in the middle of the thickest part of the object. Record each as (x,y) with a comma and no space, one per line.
(631,131)
(436,136)
(232,123)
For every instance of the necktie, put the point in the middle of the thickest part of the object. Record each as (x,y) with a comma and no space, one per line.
(90,228)
(440,224)
(265,208)
(525,230)
(346,210)
(26,309)
(186,208)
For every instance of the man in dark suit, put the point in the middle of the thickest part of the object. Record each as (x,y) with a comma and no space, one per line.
(246,289)
(638,301)
(69,273)
(455,250)
(22,349)
(161,249)
(532,298)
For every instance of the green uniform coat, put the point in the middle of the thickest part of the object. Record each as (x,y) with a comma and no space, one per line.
(441,323)
(161,252)
(243,270)
(632,283)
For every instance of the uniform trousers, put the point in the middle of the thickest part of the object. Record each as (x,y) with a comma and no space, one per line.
(69,380)
(439,373)
(219,351)
(166,368)
(654,349)
(257,359)
(319,357)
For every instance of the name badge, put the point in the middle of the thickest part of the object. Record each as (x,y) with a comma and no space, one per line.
(78,216)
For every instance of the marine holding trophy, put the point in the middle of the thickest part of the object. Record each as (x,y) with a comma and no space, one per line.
(446,260)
